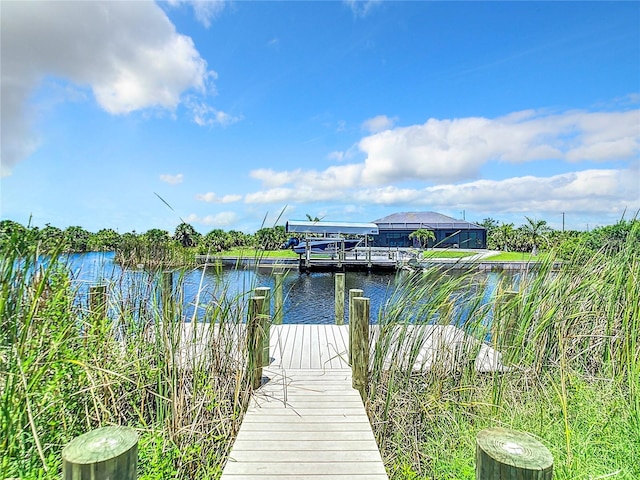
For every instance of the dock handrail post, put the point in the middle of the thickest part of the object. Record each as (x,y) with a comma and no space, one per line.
(278,307)
(510,455)
(353,292)
(102,454)
(339,302)
(266,320)
(360,356)
(255,341)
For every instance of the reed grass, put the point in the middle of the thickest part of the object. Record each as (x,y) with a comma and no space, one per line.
(569,340)
(65,369)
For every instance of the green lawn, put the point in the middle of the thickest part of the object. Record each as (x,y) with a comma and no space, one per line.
(252,253)
(446,254)
(514,257)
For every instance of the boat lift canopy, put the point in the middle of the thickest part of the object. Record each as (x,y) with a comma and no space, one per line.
(331,228)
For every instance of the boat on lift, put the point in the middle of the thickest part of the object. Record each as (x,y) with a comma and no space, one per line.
(321,245)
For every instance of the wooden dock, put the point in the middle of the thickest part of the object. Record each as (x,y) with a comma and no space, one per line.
(306,422)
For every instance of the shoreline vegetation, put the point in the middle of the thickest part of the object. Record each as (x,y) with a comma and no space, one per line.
(157,248)
(570,337)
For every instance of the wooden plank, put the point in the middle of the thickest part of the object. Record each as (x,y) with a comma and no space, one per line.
(306,435)
(305,456)
(310,445)
(290,468)
(336,426)
(315,350)
(307,476)
(272,417)
(306,423)
(297,347)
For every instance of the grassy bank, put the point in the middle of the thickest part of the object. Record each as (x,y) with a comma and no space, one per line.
(569,338)
(67,367)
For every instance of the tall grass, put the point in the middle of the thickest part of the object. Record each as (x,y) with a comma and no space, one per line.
(569,341)
(65,369)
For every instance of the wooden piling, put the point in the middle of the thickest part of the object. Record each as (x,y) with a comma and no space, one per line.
(339,291)
(353,292)
(278,307)
(255,341)
(102,454)
(511,455)
(360,344)
(505,318)
(265,321)
(97,326)
(166,294)
(98,301)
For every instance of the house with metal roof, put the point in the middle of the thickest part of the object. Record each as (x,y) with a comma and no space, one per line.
(394,231)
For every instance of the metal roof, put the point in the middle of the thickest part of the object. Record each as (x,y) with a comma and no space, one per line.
(427,220)
(352,228)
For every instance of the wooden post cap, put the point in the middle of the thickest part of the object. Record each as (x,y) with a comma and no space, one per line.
(510,454)
(108,450)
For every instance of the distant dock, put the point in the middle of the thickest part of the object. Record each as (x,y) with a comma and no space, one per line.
(367,259)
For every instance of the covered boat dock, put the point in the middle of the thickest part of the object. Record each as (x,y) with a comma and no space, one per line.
(338,246)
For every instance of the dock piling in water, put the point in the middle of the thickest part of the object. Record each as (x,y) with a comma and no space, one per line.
(339,294)
(278,312)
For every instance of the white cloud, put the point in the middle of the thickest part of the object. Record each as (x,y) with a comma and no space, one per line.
(588,191)
(204,10)
(211,197)
(204,114)
(378,124)
(219,220)
(128,53)
(442,153)
(172,179)
(337,156)
(301,194)
(453,150)
(341,176)
(361,8)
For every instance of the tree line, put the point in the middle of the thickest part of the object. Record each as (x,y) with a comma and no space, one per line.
(533,235)
(155,241)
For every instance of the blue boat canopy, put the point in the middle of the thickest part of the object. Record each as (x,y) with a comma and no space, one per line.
(331,228)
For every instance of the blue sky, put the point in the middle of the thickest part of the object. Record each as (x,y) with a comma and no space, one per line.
(349,111)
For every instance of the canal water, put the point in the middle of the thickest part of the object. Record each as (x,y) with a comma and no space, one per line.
(309,298)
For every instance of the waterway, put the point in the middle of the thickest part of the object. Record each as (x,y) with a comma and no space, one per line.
(309,297)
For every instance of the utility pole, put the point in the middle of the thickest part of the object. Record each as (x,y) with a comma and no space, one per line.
(563,221)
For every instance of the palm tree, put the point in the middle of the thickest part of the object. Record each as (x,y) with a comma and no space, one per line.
(423,236)
(502,236)
(535,229)
(186,235)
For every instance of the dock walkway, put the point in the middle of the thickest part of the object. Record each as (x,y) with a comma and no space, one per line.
(306,422)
